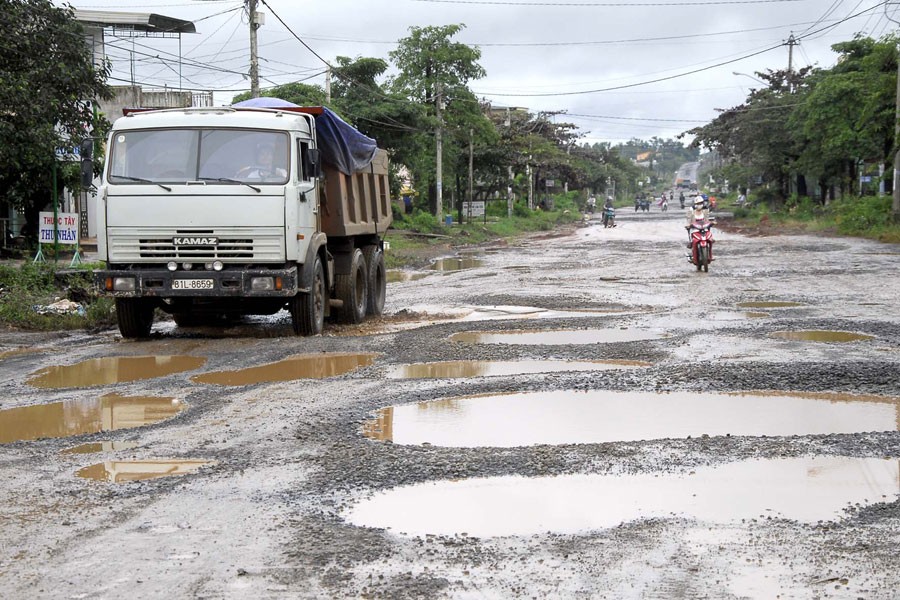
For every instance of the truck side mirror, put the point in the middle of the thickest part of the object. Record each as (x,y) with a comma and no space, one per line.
(87,162)
(314,166)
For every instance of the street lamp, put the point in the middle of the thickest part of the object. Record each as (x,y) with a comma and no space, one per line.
(750,76)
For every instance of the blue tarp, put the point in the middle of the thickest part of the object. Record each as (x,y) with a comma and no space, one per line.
(339,142)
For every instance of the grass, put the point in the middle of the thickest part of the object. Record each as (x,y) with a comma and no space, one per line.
(414,237)
(26,288)
(867,217)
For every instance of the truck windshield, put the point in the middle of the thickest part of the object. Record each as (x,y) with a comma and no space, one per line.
(226,156)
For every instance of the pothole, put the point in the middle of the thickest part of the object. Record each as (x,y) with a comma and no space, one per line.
(304,366)
(809,490)
(769,304)
(598,416)
(473,368)
(456,263)
(96,447)
(120,471)
(822,336)
(76,417)
(556,337)
(114,369)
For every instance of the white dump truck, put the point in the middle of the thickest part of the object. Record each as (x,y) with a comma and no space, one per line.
(213,213)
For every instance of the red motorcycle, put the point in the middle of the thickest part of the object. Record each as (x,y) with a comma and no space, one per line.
(701,243)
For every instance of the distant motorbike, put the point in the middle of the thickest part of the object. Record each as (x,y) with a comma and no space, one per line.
(609,217)
(665,205)
(645,205)
(701,243)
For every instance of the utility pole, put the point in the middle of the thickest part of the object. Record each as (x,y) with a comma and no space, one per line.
(438,178)
(790,43)
(254,57)
(471,174)
(328,85)
(895,205)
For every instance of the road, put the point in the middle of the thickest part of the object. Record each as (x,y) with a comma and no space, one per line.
(630,428)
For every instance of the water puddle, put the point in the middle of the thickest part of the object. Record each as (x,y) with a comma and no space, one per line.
(598,416)
(396,276)
(769,304)
(114,369)
(556,337)
(471,368)
(304,366)
(456,263)
(95,447)
(119,471)
(822,336)
(727,315)
(808,490)
(492,313)
(75,417)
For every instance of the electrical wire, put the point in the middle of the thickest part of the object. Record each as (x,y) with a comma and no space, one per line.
(607,4)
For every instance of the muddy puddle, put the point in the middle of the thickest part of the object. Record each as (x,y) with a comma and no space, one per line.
(556,337)
(598,416)
(726,315)
(396,276)
(769,304)
(469,368)
(113,369)
(458,263)
(304,366)
(822,336)
(493,313)
(96,447)
(120,471)
(809,490)
(75,417)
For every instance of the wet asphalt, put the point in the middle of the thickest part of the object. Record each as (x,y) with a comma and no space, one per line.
(269,515)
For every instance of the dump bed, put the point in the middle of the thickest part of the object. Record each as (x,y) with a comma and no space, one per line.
(357,204)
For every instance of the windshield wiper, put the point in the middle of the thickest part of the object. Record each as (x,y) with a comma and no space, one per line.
(142,180)
(227,180)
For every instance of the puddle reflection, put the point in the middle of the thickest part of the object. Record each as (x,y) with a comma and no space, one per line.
(597,416)
(305,366)
(555,337)
(802,489)
(468,368)
(95,447)
(113,369)
(119,471)
(822,336)
(75,417)
(456,264)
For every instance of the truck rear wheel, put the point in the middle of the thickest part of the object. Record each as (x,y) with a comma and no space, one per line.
(308,310)
(135,316)
(377,286)
(350,289)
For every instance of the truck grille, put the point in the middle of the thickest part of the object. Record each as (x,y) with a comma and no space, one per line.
(255,244)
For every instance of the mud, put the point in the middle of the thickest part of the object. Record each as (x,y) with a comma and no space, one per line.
(272,514)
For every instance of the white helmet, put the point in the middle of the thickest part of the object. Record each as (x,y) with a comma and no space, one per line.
(698,203)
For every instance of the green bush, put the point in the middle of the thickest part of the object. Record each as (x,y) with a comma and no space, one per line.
(860,216)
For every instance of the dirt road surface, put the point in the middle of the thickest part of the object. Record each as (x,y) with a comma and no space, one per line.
(610,424)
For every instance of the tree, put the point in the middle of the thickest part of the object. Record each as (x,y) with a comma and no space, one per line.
(434,72)
(47,82)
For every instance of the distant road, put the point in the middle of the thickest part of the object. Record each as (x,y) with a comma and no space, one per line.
(688,171)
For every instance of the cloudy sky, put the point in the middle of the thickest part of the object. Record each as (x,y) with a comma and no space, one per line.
(619,68)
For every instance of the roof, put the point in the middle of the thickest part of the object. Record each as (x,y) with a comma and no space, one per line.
(147,22)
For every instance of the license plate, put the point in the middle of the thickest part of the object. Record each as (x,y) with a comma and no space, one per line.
(192,284)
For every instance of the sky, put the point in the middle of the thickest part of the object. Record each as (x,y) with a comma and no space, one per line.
(619,69)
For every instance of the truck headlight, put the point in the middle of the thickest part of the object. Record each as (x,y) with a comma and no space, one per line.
(262,284)
(123,284)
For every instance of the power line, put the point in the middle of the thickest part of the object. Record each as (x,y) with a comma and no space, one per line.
(608,4)
(685,73)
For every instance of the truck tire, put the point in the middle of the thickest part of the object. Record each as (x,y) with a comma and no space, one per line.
(377,286)
(135,316)
(308,310)
(350,289)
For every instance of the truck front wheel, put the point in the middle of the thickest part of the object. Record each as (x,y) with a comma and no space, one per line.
(135,316)
(377,279)
(350,289)
(308,310)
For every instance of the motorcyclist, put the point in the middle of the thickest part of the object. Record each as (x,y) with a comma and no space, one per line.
(697,212)
(591,203)
(606,206)
(681,198)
